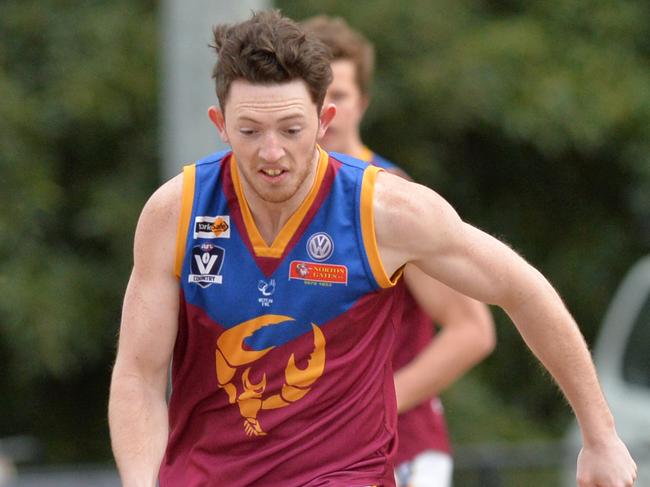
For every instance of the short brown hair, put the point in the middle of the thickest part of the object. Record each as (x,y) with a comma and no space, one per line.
(345,43)
(270,48)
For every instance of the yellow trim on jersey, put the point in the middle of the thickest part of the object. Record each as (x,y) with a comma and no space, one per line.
(368,229)
(289,229)
(187,200)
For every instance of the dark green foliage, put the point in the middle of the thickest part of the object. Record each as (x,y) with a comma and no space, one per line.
(533,120)
(78,158)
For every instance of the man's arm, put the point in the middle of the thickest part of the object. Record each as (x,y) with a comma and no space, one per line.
(414,224)
(137,406)
(466,337)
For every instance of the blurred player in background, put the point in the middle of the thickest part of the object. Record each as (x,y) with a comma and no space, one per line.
(424,367)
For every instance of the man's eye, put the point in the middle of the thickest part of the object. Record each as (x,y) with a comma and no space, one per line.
(246,131)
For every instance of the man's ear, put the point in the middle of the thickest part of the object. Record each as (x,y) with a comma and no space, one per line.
(219,121)
(327,114)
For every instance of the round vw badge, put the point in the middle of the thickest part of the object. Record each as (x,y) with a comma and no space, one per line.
(320,246)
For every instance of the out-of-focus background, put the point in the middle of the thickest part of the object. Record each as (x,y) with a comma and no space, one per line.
(531,118)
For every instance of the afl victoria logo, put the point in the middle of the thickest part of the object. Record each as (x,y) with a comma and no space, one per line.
(320,246)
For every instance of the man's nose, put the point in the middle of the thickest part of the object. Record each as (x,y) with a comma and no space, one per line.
(271,149)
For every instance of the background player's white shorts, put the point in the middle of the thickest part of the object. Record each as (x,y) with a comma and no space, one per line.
(429,469)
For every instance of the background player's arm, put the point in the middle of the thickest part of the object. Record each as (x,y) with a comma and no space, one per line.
(414,224)
(137,405)
(465,338)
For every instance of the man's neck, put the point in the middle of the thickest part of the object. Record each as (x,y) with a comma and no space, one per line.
(358,151)
(271,217)
(354,146)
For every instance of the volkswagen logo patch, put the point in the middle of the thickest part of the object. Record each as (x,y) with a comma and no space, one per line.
(320,246)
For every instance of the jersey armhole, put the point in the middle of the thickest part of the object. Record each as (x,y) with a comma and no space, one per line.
(368,230)
(187,200)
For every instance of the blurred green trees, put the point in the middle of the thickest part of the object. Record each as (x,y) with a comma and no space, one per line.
(78,157)
(532,119)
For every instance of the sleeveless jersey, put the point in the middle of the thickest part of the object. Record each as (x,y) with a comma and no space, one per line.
(422,427)
(281,372)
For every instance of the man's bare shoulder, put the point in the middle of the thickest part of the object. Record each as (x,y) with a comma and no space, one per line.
(409,219)
(165,200)
(393,191)
(399,200)
(159,220)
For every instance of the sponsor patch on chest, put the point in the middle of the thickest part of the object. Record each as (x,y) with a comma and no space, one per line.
(212,226)
(314,272)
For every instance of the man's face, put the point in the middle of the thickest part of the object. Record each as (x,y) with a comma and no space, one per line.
(272,129)
(350,107)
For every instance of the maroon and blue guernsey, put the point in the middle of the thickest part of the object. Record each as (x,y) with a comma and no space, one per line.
(422,427)
(281,373)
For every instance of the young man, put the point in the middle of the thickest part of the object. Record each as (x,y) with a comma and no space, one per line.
(423,367)
(283,257)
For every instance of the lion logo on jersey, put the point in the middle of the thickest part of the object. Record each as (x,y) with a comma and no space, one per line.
(303,270)
(230,355)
